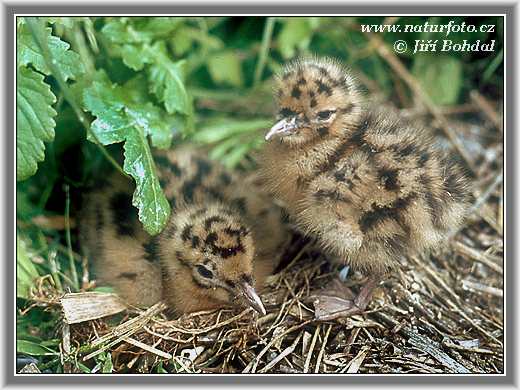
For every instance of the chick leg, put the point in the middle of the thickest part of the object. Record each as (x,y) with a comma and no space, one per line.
(330,308)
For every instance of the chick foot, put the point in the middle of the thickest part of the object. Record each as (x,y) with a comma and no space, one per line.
(328,307)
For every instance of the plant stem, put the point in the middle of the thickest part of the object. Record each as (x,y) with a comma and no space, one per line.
(37,31)
(264,49)
(67,237)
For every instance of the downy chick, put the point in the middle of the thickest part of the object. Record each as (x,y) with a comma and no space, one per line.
(205,258)
(370,187)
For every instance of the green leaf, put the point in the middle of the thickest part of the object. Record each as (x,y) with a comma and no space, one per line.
(25,270)
(132,40)
(295,35)
(133,57)
(28,52)
(160,369)
(35,123)
(82,367)
(67,22)
(140,30)
(118,120)
(224,128)
(154,209)
(440,77)
(33,349)
(166,79)
(226,67)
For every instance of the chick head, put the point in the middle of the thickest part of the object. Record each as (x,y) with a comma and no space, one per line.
(214,252)
(316,98)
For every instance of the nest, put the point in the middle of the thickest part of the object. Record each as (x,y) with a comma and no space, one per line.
(438,314)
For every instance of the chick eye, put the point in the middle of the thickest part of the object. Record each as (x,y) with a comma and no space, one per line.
(204,272)
(286,113)
(324,115)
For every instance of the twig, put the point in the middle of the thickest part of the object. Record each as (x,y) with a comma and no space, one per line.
(469,285)
(251,367)
(286,352)
(311,349)
(72,265)
(208,329)
(474,254)
(487,109)
(487,193)
(354,365)
(147,348)
(425,344)
(322,350)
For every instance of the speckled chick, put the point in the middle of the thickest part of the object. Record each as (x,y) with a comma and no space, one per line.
(369,186)
(207,256)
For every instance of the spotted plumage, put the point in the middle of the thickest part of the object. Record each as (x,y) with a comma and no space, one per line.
(215,249)
(370,187)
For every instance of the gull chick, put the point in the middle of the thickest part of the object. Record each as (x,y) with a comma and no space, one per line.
(369,186)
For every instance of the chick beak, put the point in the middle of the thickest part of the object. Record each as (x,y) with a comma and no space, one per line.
(283,127)
(252,297)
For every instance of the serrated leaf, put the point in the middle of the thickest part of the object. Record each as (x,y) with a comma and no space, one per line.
(440,77)
(226,67)
(118,120)
(139,30)
(167,79)
(154,209)
(34,121)
(25,270)
(28,52)
(133,57)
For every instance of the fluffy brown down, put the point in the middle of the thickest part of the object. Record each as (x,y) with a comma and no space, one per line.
(223,231)
(369,186)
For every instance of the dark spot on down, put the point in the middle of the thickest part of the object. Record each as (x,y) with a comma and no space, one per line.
(128,275)
(203,169)
(124,213)
(389,179)
(358,136)
(195,242)
(186,233)
(435,204)
(296,92)
(171,230)
(211,220)
(224,252)
(239,204)
(392,211)
(323,131)
(151,249)
(215,193)
(323,88)
(330,194)
(225,179)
